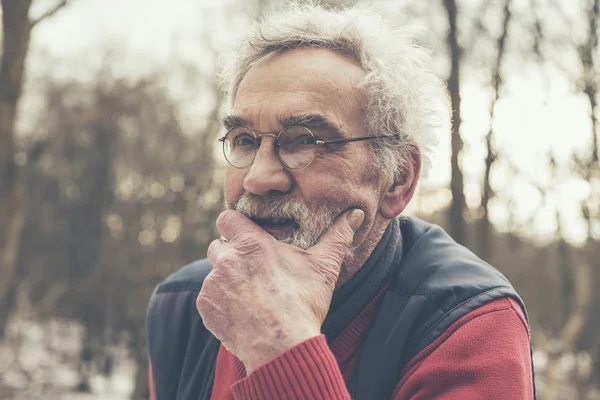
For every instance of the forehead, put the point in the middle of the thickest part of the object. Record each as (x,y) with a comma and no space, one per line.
(301,81)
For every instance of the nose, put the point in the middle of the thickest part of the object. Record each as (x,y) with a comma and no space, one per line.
(266,175)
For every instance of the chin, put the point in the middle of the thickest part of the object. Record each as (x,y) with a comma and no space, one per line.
(296,239)
(303,244)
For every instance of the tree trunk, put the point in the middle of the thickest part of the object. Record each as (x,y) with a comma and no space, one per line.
(592,168)
(590,74)
(485,226)
(13,192)
(16,34)
(456,216)
(565,343)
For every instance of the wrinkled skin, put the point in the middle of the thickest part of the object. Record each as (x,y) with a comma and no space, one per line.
(279,286)
(264,296)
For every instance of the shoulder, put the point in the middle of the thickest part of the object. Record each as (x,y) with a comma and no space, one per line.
(502,318)
(489,347)
(171,312)
(176,295)
(439,282)
(435,266)
(177,336)
(188,278)
(498,324)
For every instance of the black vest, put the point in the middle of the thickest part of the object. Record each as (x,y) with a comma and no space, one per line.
(438,282)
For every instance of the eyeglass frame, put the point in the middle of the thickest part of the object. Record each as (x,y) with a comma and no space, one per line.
(258,138)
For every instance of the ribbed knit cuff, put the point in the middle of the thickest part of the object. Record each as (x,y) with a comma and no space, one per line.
(306,371)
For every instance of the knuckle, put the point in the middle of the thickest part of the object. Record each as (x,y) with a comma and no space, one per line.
(225,263)
(248,246)
(338,248)
(202,304)
(206,284)
(205,302)
(201,301)
(212,251)
(207,313)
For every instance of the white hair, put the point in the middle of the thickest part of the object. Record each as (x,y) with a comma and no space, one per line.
(406,103)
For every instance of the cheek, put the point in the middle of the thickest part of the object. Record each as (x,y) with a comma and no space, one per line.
(233,185)
(350,176)
(338,192)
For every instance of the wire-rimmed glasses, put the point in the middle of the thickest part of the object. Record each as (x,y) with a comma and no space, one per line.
(295,146)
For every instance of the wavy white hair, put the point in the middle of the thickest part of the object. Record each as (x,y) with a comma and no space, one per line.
(407,103)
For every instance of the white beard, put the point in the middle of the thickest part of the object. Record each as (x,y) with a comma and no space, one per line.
(310,224)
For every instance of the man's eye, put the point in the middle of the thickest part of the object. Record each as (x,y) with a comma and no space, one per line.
(300,140)
(244,140)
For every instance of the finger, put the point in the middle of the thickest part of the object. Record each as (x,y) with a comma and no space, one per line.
(335,242)
(232,223)
(218,250)
(213,250)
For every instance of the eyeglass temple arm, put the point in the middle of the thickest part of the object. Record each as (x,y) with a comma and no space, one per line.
(335,141)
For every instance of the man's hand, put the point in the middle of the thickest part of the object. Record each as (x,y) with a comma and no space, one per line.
(263,296)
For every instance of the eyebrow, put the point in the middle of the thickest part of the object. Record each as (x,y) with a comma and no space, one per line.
(233,121)
(308,120)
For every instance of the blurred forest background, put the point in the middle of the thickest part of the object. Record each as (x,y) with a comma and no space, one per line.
(110,174)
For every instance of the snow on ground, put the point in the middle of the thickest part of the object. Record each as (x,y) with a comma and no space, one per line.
(40,361)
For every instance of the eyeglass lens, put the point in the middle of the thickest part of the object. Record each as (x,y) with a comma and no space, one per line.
(295,147)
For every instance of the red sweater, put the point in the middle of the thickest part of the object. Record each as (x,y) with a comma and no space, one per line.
(483,355)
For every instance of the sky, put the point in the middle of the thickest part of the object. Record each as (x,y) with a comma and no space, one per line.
(538,111)
(146,26)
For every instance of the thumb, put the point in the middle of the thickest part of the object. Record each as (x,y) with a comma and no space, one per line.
(335,242)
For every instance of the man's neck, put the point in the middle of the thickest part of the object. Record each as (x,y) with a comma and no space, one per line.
(353,296)
(357,258)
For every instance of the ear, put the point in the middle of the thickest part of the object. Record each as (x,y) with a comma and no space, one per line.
(397,195)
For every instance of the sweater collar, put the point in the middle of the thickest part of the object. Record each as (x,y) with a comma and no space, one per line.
(353,296)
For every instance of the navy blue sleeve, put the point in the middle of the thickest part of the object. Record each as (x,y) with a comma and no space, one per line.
(181,350)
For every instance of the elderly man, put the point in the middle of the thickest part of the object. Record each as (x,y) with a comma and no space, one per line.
(317,288)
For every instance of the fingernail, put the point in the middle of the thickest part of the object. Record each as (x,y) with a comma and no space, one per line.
(355,218)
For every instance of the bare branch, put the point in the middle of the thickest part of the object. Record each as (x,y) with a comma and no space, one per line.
(50,12)
(539,32)
(487,193)
(479,30)
(589,76)
(458,205)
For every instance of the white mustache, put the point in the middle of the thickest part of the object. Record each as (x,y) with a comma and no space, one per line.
(310,225)
(273,209)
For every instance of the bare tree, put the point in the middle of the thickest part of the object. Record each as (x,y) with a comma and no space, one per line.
(566,340)
(579,328)
(590,171)
(485,226)
(590,73)
(17,28)
(456,216)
